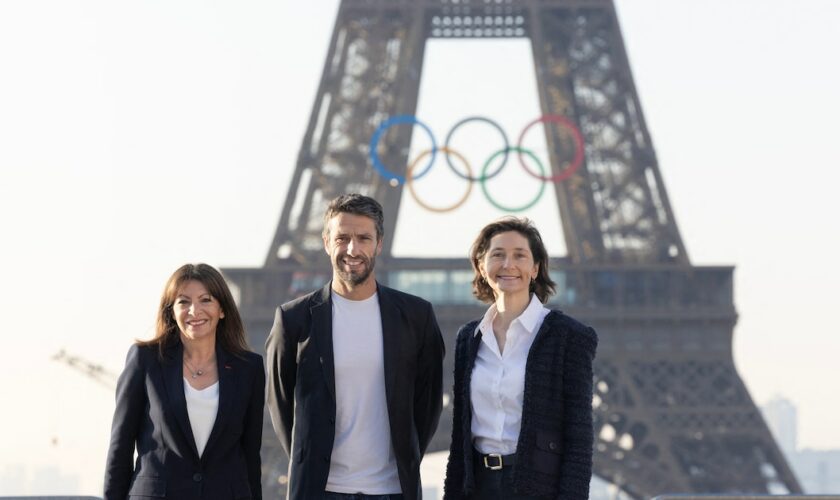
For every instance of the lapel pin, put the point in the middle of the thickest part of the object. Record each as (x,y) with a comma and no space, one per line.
(227,367)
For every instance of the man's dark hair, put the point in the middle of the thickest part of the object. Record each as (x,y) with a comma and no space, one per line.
(357,204)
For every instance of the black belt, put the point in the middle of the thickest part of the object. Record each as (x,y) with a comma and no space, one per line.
(494,461)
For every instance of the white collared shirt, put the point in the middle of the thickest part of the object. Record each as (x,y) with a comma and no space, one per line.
(498,380)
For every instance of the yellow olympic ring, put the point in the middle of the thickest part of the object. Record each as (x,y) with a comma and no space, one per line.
(410,184)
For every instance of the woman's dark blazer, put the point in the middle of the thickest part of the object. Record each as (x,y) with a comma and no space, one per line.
(152,414)
(554,450)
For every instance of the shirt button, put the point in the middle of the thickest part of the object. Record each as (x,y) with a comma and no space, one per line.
(552,446)
(197,477)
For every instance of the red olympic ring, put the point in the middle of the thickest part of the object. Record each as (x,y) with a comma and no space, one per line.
(577,137)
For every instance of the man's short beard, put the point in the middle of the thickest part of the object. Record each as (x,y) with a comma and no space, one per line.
(351,278)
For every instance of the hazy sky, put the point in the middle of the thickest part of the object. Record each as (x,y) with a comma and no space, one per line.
(136,136)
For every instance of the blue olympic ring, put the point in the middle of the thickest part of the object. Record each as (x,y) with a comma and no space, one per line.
(374,143)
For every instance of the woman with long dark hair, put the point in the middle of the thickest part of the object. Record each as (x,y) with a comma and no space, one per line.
(190,400)
(523,380)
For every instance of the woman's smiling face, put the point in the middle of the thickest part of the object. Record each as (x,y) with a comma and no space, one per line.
(196,311)
(508,266)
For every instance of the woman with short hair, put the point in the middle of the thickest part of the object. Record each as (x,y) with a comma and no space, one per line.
(523,380)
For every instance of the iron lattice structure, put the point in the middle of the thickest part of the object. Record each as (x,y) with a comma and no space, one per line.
(671,413)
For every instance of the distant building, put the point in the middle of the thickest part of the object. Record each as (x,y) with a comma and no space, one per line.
(20,479)
(818,470)
(50,480)
(13,480)
(780,414)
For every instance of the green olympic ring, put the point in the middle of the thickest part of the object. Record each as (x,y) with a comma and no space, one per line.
(484,177)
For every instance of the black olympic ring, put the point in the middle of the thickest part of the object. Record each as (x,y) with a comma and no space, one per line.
(494,124)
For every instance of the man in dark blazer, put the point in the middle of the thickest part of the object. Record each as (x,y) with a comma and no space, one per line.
(354,372)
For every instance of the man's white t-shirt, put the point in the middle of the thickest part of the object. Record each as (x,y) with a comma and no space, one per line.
(362,458)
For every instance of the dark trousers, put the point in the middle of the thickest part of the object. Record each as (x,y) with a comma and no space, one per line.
(494,484)
(329,495)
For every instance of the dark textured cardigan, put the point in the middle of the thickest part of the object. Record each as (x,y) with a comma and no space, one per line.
(554,450)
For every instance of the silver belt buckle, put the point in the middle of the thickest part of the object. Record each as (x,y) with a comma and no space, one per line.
(496,456)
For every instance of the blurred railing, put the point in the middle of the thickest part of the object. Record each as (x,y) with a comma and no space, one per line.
(581,287)
(50,498)
(648,290)
(746,497)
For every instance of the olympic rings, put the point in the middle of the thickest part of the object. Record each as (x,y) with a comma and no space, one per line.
(374,143)
(480,119)
(498,205)
(577,137)
(410,177)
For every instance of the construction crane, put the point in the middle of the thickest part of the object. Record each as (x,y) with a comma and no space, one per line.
(97,372)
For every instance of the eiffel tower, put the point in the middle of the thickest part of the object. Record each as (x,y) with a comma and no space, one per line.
(671,413)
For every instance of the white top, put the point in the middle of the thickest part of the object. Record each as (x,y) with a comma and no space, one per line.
(498,380)
(362,457)
(202,406)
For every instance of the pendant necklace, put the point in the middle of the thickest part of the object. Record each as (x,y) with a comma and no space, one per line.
(193,372)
